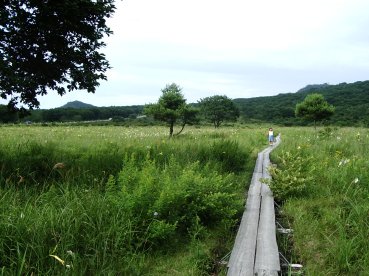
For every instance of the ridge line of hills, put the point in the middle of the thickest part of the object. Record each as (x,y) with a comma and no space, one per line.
(82,105)
(351,101)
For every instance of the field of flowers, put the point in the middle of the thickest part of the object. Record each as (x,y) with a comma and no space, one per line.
(89,200)
(322,180)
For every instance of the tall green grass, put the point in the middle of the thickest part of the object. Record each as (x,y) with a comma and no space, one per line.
(323,181)
(125,201)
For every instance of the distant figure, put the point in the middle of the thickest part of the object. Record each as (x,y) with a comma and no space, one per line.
(271,136)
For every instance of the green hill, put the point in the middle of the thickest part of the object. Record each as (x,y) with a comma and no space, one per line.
(77,105)
(351,102)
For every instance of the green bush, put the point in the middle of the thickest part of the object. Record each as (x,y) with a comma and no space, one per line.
(226,155)
(291,177)
(171,199)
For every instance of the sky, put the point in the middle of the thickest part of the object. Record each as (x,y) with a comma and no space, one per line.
(237,48)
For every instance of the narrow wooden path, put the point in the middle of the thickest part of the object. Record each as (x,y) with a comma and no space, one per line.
(255,250)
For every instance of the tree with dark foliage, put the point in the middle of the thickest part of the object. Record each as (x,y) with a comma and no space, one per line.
(314,108)
(172,108)
(51,45)
(217,109)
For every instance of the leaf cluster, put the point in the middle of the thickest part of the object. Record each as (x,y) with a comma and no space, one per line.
(167,202)
(171,108)
(291,178)
(51,45)
(314,108)
(217,109)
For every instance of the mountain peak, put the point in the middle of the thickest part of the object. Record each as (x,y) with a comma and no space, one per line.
(313,87)
(77,105)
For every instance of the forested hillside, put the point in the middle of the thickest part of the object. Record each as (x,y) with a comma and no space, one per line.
(77,104)
(71,113)
(351,102)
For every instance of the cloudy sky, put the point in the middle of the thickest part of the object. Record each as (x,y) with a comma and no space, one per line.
(238,48)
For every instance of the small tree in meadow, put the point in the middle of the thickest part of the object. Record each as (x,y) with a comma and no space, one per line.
(172,108)
(314,108)
(218,109)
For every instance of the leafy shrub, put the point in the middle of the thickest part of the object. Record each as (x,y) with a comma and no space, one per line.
(291,177)
(174,199)
(225,155)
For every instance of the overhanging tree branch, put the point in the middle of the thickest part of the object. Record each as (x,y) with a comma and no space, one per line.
(51,45)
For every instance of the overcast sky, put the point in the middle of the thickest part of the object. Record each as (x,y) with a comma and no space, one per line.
(238,48)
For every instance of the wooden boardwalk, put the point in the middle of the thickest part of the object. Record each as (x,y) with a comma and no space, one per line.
(255,250)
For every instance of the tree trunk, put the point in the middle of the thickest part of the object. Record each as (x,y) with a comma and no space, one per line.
(179,132)
(171,129)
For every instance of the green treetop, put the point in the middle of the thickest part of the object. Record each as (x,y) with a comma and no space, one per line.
(314,108)
(172,108)
(217,109)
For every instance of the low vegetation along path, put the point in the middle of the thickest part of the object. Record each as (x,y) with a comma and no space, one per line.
(255,250)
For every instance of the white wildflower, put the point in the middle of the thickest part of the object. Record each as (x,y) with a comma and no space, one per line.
(343,162)
(156,214)
(356,180)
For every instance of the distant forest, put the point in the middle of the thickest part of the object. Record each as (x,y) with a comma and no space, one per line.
(74,112)
(350,100)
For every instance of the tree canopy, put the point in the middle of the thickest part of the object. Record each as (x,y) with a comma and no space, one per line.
(314,108)
(218,109)
(172,108)
(51,45)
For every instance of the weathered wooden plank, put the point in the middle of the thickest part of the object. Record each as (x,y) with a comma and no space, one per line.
(259,163)
(265,190)
(255,185)
(243,254)
(266,164)
(263,272)
(267,256)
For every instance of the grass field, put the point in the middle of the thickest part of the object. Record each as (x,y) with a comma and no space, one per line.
(322,179)
(120,200)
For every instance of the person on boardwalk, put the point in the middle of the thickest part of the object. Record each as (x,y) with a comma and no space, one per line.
(271,136)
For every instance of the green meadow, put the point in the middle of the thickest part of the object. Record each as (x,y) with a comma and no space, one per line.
(322,181)
(89,200)
(110,200)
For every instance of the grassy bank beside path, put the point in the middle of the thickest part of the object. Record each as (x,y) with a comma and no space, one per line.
(118,200)
(322,179)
